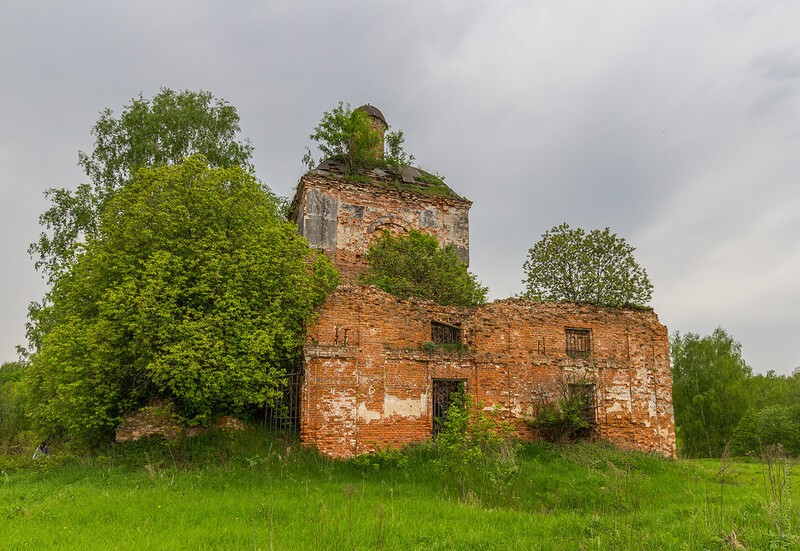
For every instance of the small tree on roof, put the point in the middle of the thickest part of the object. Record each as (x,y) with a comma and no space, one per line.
(348,135)
(596,267)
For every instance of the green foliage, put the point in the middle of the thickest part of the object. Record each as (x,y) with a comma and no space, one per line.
(382,459)
(473,444)
(12,405)
(709,391)
(153,132)
(416,265)
(771,426)
(192,288)
(347,134)
(770,389)
(596,267)
(564,419)
(396,157)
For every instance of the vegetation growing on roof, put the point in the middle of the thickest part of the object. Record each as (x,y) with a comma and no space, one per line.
(352,146)
(347,135)
(424,183)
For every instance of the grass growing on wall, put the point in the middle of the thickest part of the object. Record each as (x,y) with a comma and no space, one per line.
(251,491)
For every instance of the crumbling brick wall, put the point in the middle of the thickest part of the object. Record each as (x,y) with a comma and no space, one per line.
(342,217)
(369,376)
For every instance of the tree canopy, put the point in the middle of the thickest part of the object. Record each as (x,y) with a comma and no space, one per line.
(597,267)
(416,265)
(153,132)
(709,390)
(348,135)
(192,287)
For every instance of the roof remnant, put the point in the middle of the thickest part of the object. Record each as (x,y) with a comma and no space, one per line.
(409,178)
(373,111)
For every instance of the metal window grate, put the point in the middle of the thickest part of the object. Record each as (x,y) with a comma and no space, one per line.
(579,342)
(444,333)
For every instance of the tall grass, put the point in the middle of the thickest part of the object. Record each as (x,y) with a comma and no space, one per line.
(253,491)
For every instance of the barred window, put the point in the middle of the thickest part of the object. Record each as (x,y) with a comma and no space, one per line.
(444,333)
(579,342)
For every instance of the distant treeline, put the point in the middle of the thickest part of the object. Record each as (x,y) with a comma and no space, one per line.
(722,407)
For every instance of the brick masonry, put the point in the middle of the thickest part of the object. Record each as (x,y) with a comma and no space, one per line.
(342,217)
(368,378)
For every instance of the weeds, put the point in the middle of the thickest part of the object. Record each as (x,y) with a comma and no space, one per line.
(476,450)
(778,469)
(270,494)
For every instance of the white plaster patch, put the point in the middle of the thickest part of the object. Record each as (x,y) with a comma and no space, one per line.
(615,407)
(619,393)
(651,406)
(404,407)
(365,414)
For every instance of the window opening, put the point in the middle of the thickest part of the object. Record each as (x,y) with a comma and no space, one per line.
(283,416)
(443,390)
(578,342)
(336,336)
(444,333)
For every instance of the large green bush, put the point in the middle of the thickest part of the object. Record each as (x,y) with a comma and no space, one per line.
(193,288)
(416,265)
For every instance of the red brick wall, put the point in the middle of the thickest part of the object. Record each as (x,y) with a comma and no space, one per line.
(375,388)
(359,212)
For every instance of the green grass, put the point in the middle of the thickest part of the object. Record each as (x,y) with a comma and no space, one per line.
(252,491)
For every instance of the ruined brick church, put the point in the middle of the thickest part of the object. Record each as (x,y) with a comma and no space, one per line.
(378,371)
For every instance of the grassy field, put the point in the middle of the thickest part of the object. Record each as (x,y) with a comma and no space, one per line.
(252,491)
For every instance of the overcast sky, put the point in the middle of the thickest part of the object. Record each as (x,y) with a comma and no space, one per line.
(676,123)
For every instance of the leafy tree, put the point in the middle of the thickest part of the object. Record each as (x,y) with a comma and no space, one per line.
(396,157)
(709,390)
(567,415)
(772,389)
(416,265)
(348,135)
(148,133)
(192,287)
(597,267)
(12,403)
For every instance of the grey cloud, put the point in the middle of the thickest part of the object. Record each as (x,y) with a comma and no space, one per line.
(638,116)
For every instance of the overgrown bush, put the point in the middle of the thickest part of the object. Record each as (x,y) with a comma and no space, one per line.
(476,450)
(565,418)
(416,265)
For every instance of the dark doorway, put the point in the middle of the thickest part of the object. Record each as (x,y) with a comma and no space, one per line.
(284,415)
(443,389)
